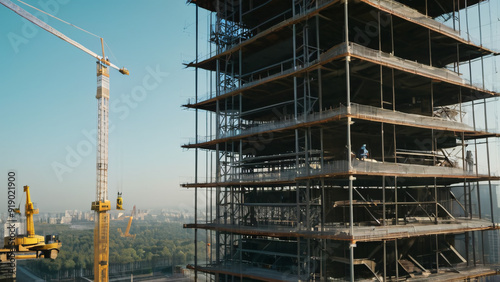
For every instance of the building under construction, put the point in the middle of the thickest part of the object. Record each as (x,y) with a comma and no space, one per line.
(345,140)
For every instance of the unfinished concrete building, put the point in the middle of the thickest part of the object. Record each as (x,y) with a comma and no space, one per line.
(345,140)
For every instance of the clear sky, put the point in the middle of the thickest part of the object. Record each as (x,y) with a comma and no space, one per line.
(48,109)
(48,106)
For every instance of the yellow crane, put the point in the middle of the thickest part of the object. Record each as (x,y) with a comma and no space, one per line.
(127,231)
(40,246)
(101,205)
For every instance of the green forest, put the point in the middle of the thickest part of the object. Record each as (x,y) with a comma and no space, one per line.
(156,246)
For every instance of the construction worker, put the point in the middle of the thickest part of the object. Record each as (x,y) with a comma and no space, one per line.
(363,153)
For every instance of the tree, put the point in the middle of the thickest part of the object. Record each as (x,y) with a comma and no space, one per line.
(148,256)
(69,264)
(167,242)
(180,257)
(165,253)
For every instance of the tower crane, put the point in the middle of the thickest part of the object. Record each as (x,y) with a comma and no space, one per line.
(101,205)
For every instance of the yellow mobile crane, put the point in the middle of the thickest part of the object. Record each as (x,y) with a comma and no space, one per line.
(127,231)
(101,205)
(40,246)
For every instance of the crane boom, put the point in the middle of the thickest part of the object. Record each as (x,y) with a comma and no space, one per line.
(25,14)
(130,221)
(127,231)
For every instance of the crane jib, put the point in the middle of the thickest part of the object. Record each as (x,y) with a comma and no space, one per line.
(25,14)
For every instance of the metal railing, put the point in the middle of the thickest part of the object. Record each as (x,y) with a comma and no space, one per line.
(358,166)
(355,49)
(357,110)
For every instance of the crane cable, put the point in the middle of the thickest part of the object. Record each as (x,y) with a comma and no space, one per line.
(494,31)
(61,20)
(113,55)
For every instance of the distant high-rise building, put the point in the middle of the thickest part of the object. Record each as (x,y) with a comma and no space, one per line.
(338,133)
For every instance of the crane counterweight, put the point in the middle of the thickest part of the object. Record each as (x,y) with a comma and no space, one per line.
(124,71)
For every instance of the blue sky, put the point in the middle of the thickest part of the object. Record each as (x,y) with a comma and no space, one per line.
(48,109)
(48,105)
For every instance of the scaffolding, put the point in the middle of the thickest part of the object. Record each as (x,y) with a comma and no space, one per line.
(298,89)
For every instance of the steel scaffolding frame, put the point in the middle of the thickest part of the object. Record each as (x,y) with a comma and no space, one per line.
(298,84)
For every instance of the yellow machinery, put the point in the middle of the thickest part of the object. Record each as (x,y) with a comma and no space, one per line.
(127,232)
(119,202)
(38,246)
(101,205)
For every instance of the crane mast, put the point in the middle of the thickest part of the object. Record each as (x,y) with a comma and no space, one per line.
(102,205)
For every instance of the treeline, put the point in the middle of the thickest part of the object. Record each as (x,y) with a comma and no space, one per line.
(155,245)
